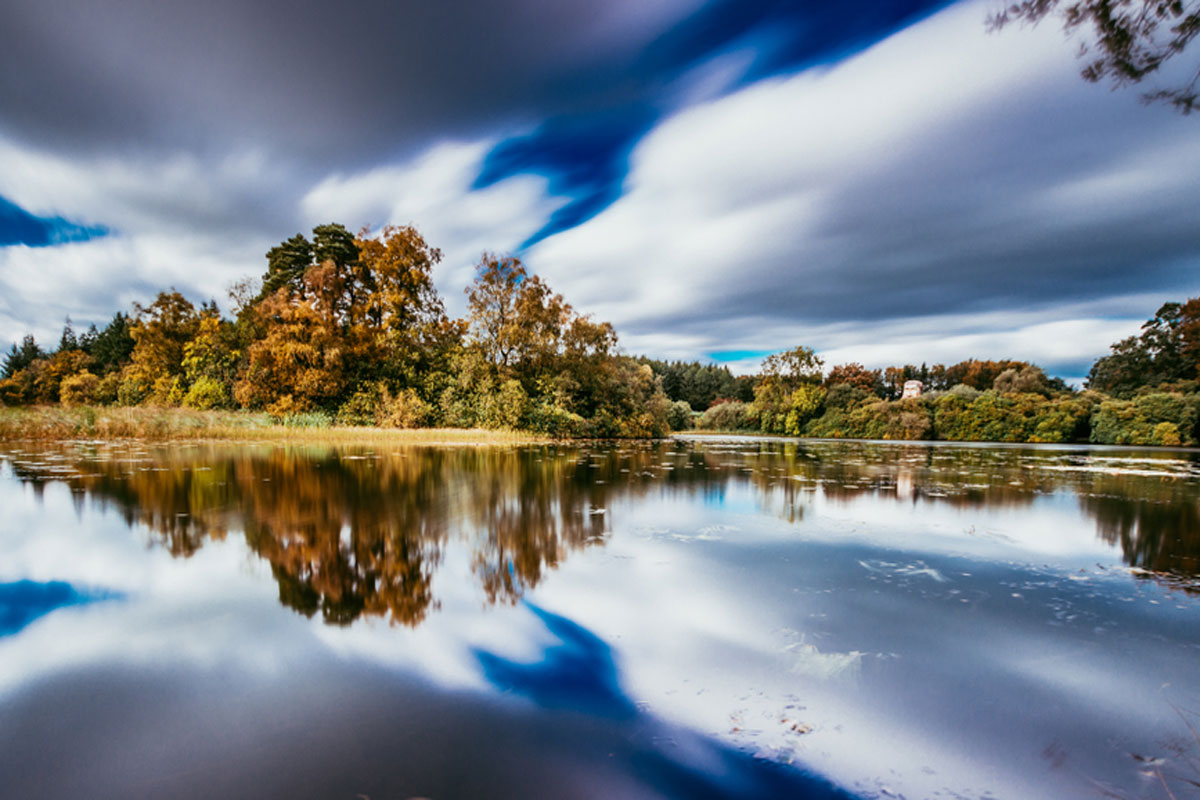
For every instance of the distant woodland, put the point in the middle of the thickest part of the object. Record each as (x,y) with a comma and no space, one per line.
(349,330)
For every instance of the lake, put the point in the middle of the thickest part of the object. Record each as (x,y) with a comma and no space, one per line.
(701,617)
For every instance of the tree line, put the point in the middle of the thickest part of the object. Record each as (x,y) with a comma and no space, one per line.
(1145,392)
(349,329)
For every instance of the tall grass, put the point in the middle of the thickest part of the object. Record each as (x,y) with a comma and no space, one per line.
(92,422)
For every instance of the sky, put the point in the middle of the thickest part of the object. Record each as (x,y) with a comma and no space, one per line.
(882,180)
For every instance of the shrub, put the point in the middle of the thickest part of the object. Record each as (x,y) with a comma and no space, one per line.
(78,389)
(17,390)
(727,416)
(552,420)
(1157,418)
(362,408)
(134,387)
(206,393)
(405,410)
(803,405)
(107,389)
(679,415)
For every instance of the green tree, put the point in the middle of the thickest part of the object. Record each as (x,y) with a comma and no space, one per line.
(286,264)
(1122,41)
(112,347)
(1167,350)
(68,340)
(19,358)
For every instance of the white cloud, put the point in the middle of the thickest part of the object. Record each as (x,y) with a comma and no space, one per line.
(180,222)
(942,195)
(433,192)
(954,194)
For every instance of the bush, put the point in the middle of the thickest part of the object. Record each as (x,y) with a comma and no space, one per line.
(405,410)
(17,390)
(1158,418)
(134,387)
(78,389)
(107,389)
(727,416)
(362,408)
(512,405)
(679,415)
(206,393)
(802,406)
(552,420)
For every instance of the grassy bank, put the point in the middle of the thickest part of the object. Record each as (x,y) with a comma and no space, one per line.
(103,422)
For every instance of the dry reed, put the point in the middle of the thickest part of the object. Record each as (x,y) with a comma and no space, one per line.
(93,422)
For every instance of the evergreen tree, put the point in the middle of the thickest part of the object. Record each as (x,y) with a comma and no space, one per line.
(19,358)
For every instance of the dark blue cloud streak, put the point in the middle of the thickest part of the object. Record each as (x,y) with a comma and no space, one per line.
(579,674)
(18,226)
(585,156)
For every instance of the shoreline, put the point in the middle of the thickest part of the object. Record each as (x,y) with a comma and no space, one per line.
(700,436)
(56,423)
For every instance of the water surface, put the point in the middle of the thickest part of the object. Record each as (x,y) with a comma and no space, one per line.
(695,618)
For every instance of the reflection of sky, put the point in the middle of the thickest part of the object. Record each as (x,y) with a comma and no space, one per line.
(912,646)
(23,602)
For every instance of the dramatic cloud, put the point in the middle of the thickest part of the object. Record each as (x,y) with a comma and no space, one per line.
(940,174)
(724,178)
(18,226)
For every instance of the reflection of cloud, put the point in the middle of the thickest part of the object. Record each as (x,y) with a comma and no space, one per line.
(812,663)
(695,627)
(577,672)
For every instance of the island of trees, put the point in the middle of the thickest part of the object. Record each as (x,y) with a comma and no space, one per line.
(349,330)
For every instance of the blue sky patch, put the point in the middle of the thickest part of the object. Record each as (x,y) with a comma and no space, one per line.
(18,226)
(723,356)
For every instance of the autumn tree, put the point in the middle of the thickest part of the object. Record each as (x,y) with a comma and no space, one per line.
(855,374)
(210,363)
(493,300)
(1123,42)
(400,320)
(1029,379)
(160,333)
(562,365)
(520,326)
(979,373)
(299,364)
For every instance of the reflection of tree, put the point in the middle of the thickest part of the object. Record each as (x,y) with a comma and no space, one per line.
(348,532)
(1158,528)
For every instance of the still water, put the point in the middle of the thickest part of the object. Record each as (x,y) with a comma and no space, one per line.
(695,618)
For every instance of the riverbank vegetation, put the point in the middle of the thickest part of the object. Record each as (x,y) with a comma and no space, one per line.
(47,423)
(1145,392)
(349,330)
(346,331)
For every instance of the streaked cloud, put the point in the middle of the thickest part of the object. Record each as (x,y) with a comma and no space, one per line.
(883,181)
